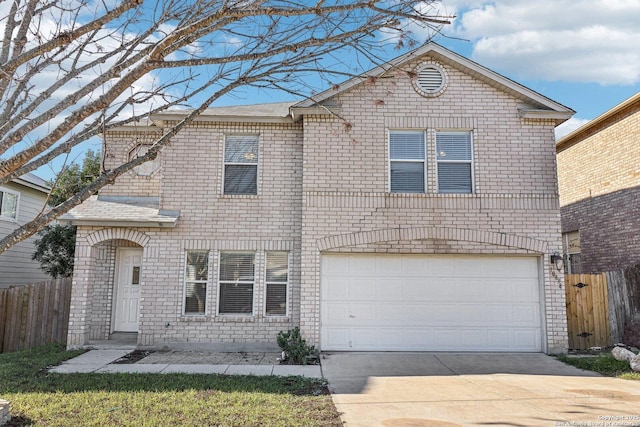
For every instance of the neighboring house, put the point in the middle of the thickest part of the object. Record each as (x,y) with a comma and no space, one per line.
(21,200)
(415,208)
(599,182)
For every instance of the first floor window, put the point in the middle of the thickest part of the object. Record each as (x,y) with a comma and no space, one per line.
(571,249)
(406,161)
(455,161)
(241,164)
(196,277)
(236,280)
(277,276)
(8,204)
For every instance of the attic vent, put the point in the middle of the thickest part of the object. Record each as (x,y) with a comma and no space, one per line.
(430,79)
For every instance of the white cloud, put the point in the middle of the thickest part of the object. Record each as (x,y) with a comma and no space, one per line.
(565,40)
(569,126)
(233,42)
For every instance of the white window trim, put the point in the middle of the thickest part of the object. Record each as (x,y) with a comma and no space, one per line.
(424,161)
(253,288)
(17,194)
(287,286)
(472,161)
(206,282)
(224,164)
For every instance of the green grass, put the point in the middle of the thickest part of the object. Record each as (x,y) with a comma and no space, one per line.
(604,364)
(41,398)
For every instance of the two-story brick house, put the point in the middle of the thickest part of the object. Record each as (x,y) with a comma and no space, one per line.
(599,182)
(414,208)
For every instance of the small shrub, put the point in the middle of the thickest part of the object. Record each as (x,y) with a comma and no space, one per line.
(295,350)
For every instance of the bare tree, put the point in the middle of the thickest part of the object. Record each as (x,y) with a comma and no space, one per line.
(73,69)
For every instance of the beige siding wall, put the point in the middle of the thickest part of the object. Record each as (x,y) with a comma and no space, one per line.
(16,266)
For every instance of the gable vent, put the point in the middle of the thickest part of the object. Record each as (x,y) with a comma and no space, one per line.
(430,80)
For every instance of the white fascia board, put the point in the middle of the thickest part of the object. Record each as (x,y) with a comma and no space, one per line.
(161,120)
(558,116)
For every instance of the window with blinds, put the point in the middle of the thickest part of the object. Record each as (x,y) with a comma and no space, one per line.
(8,204)
(455,162)
(236,281)
(277,279)
(196,282)
(406,161)
(241,164)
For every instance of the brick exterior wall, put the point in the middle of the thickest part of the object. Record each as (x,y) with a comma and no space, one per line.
(118,146)
(323,187)
(598,176)
(515,184)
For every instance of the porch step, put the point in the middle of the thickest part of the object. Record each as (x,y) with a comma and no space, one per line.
(116,341)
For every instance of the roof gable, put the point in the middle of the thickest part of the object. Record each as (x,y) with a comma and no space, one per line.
(535,105)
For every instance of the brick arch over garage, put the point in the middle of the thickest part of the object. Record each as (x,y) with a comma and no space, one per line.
(117,234)
(424,233)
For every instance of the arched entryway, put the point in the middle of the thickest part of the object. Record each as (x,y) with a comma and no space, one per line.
(107,285)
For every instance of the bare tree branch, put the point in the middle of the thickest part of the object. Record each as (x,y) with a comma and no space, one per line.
(71,70)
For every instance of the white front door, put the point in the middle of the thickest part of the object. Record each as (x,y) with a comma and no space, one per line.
(127,288)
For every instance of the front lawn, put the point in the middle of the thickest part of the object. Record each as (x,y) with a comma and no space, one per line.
(604,364)
(41,398)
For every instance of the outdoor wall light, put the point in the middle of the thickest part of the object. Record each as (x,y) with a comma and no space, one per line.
(557,261)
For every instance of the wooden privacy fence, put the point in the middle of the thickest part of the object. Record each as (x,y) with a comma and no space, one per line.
(587,310)
(33,315)
(624,299)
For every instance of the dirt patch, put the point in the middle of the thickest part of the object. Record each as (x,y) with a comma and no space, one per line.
(18,421)
(133,357)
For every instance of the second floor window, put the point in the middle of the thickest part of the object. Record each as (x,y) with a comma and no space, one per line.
(8,204)
(406,161)
(455,162)
(241,164)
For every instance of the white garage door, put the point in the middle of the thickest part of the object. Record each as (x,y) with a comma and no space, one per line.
(430,303)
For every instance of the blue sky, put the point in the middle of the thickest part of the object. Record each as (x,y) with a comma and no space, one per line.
(584,54)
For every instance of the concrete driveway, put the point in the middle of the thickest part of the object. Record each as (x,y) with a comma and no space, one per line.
(462,389)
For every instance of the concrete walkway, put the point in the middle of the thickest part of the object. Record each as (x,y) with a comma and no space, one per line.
(101,361)
(464,389)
